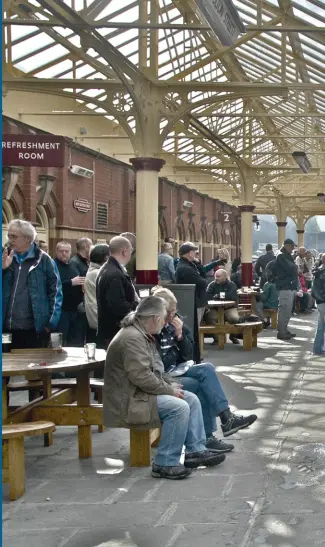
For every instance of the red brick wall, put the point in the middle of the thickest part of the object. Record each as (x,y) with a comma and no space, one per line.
(114,183)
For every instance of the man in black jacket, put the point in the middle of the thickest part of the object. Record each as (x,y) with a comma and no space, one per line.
(188,274)
(262,262)
(224,289)
(318,292)
(175,344)
(116,295)
(286,274)
(81,259)
(72,287)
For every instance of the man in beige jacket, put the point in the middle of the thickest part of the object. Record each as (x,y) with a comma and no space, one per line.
(138,394)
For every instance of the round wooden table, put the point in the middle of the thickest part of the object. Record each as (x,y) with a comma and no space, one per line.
(56,407)
(220,305)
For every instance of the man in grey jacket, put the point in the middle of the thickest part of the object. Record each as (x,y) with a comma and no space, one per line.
(139,395)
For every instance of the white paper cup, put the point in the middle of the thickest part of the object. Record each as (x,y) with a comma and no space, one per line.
(90,350)
(56,340)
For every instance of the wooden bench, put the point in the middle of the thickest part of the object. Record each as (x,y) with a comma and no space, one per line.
(34,388)
(13,458)
(273,314)
(141,442)
(248,330)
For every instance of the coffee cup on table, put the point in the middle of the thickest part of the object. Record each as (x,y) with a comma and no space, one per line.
(222,295)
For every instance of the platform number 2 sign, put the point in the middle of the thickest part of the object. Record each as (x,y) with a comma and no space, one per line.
(226,217)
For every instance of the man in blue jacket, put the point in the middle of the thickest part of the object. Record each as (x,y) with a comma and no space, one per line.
(32,290)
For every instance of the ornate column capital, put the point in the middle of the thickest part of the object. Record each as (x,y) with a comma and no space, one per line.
(246,208)
(47,182)
(147,164)
(281,224)
(10,176)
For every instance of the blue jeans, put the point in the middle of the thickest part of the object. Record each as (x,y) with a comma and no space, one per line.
(319,338)
(204,382)
(182,423)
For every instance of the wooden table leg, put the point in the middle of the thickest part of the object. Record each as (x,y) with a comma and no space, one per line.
(84,431)
(47,392)
(4,399)
(222,338)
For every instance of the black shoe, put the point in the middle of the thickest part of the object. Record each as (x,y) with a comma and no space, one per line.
(291,334)
(206,458)
(236,422)
(176,472)
(284,337)
(217,445)
(234,340)
(266,324)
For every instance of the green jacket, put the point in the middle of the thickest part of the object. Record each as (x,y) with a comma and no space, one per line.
(270,296)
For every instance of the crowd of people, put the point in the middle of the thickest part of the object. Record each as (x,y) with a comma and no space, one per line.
(152,376)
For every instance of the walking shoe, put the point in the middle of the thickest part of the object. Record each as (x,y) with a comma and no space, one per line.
(236,422)
(284,336)
(234,340)
(206,458)
(217,445)
(291,334)
(176,472)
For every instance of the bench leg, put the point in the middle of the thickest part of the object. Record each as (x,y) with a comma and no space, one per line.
(140,449)
(100,402)
(221,340)
(274,321)
(248,339)
(16,468)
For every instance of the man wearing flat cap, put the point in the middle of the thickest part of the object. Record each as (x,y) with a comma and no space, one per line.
(286,274)
(188,274)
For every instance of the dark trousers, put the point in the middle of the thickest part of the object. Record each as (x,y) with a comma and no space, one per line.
(22,339)
(72,328)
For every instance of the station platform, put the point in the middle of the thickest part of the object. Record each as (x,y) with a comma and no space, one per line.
(270,491)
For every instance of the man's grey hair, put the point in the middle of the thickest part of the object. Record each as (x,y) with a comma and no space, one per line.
(131,237)
(151,306)
(25,227)
(117,244)
(83,243)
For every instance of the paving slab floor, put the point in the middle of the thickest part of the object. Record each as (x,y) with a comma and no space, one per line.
(269,492)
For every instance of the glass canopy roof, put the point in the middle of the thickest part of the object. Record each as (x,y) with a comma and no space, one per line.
(263,131)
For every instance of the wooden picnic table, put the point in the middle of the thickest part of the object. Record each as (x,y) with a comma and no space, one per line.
(58,406)
(252,293)
(220,306)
